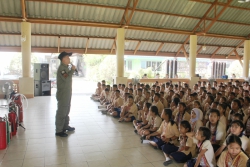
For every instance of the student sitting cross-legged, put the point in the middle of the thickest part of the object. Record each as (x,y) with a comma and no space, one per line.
(183,153)
(167,133)
(129,111)
(154,122)
(205,150)
(143,117)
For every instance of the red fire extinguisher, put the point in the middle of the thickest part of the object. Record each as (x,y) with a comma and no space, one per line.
(3,133)
(13,122)
(18,101)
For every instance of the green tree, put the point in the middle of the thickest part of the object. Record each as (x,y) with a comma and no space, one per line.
(235,68)
(16,64)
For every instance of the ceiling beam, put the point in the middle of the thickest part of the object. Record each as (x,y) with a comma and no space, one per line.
(185,53)
(135,2)
(112,25)
(125,14)
(217,16)
(221,4)
(238,57)
(159,48)
(111,38)
(235,49)
(215,52)
(103,52)
(137,47)
(86,47)
(23,7)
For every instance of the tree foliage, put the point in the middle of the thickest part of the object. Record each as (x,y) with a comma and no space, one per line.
(235,68)
(15,67)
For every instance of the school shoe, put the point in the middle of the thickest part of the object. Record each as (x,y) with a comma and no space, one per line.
(62,134)
(104,111)
(135,131)
(166,163)
(70,128)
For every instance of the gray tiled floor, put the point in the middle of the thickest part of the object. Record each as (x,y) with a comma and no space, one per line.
(99,140)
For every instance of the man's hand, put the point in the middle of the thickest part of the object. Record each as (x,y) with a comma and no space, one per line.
(73,67)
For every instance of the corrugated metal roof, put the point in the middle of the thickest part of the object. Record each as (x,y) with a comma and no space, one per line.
(10,8)
(218,41)
(156,36)
(73,42)
(183,7)
(131,45)
(209,50)
(72,30)
(156,20)
(40,41)
(232,29)
(100,44)
(10,40)
(236,15)
(149,46)
(243,5)
(10,27)
(170,47)
(73,12)
(224,51)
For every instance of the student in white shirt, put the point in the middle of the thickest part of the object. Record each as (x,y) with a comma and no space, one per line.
(129,112)
(236,128)
(217,129)
(206,152)
(222,108)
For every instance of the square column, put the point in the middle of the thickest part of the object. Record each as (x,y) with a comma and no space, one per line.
(246,58)
(192,60)
(120,44)
(26,82)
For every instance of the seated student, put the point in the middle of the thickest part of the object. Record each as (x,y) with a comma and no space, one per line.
(139,97)
(129,112)
(154,122)
(233,156)
(247,131)
(107,98)
(115,107)
(195,120)
(182,114)
(209,100)
(125,99)
(122,90)
(158,103)
(167,133)
(235,108)
(130,91)
(97,92)
(183,153)
(152,94)
(147,98)
(102,95)
(236,128)
(214,105)
(197,104)
(217,129)
(205,150)
(222,108)
(174,106)
(236,116)
(143,117)
(163,100)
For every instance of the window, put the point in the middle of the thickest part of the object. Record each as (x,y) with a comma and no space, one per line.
(129,64)
(153,65)
(158,66)
(143,64)
(148,64)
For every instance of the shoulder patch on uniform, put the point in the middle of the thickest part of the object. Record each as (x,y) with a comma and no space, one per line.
(63,72)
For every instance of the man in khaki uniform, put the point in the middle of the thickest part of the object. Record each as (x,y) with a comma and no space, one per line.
(63,94)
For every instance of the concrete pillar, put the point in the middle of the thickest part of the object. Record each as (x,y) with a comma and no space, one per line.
(192,60)
(26,83)
(120,44)
(246,59)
